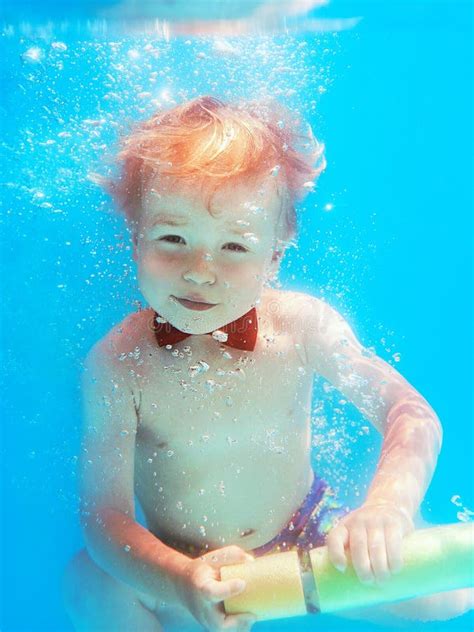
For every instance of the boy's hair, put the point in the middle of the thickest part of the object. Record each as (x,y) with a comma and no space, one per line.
(209,143)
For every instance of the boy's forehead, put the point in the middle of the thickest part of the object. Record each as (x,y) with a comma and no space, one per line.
(242,201)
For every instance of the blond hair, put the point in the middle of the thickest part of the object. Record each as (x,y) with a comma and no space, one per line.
(209,143)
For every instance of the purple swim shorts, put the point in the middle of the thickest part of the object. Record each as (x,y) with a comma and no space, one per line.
(310,524)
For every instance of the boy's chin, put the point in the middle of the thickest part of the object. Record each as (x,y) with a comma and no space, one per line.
(195,325)
(204,322)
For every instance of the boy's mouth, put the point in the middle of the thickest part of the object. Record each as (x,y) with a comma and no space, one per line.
(196,305)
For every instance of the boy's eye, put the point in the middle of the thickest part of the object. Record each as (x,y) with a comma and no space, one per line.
(171,238)
(240,248)
(166,237)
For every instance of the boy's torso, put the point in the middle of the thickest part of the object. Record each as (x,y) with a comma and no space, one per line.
(222,457)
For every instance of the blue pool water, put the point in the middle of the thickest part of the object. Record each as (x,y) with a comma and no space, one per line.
(386,238)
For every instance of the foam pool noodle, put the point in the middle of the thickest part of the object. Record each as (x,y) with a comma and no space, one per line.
(283,585)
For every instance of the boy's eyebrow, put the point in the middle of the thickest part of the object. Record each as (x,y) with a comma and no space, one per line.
(170,220)
(179,220)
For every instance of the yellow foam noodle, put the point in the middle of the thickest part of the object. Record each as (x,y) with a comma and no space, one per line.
(434,560)
(274,587)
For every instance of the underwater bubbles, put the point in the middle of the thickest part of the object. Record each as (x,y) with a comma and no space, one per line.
(33,55)
(464,514)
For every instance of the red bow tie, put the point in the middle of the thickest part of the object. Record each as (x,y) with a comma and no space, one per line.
(241,333)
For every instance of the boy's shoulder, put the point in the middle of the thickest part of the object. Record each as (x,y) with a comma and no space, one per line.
(122,342)
(290,304)
(306,317)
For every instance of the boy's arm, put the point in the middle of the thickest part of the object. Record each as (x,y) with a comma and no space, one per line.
(412,437)
(412,432)
(115,541)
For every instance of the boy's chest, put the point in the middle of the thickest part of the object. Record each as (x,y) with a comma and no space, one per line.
(209,405)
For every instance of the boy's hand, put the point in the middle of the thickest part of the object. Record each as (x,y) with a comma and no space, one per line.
(202,593)
(373,534)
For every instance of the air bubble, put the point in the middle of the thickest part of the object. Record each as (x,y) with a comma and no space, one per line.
(462,516)
(220,336)
(224,48)
(200,367)
(251,238)
(33,55)
(61,46)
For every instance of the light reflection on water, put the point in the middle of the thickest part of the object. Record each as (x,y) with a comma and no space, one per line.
(168,19)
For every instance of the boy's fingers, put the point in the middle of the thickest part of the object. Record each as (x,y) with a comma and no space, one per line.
(360,554)
(378,554)
(393,543)
(228,555)
(336,542)
(217,591)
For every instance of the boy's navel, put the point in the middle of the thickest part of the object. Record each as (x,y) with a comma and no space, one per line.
(246,532)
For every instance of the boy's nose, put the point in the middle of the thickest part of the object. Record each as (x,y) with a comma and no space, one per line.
(200,270)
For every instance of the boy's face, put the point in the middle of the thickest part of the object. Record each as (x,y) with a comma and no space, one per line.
(182,251)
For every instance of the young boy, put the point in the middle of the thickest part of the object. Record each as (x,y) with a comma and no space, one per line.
(200,404)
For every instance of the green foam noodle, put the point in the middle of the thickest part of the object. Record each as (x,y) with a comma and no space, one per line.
(434,560)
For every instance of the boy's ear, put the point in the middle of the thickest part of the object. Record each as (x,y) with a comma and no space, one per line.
(274,266)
